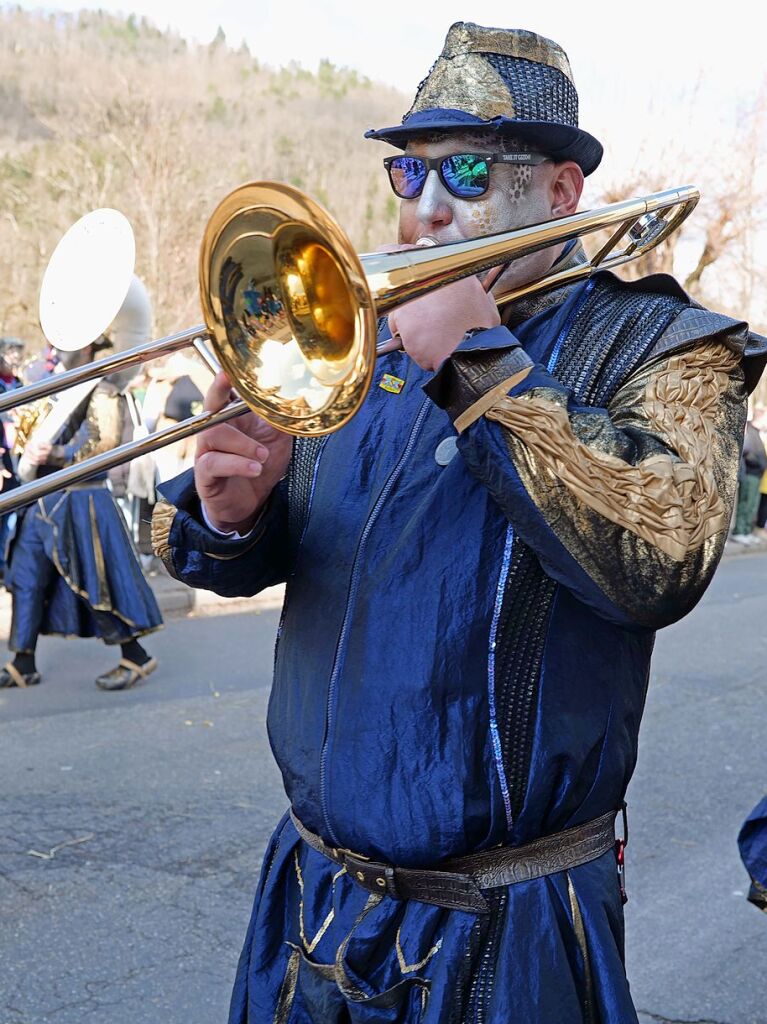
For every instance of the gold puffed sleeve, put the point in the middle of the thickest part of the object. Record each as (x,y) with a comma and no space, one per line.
(640,494)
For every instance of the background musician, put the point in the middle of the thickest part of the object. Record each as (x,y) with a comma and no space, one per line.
(11,357)
(73,569)
(476,564)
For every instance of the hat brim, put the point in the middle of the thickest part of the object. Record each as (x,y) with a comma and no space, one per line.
(559,141)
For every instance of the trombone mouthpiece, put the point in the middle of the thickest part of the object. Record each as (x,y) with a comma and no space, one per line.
(427,240)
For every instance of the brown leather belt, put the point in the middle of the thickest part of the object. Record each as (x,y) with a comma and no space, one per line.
(458,883)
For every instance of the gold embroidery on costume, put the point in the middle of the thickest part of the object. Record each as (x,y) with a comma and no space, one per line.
(580,935)
(346,986)
(671,502)
(98,554)
(310,946)
(337,972)
(407,968)
(288,990)
(104,425)
(162,522)
(105,602)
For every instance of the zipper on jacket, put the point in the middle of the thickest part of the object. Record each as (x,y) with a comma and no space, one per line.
(351,594)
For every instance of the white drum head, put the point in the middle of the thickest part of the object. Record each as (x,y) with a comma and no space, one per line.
(87,279)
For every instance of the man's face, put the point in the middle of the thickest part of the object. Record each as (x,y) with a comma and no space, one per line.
(517,196)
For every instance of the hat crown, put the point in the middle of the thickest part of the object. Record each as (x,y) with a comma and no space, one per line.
(495,72)
(511,82)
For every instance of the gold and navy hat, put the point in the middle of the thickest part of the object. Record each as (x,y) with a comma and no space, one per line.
(509,81)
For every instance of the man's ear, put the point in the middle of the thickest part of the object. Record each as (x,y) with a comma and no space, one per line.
(565,188)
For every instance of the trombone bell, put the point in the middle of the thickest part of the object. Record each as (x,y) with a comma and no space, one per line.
(285,299)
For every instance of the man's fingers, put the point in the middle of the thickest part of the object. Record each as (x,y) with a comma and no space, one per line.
(226,438)
(216,465)
(219,393)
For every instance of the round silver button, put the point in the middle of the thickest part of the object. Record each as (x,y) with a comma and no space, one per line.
(445,451)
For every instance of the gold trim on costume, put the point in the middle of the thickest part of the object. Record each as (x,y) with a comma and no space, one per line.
(346,986)
(336,972)
(104,421)
(407,968)
(580,935)
(670,501)
(98,554)
(288,989)
(488,400)
(163,515)
(101,606)
(311,946)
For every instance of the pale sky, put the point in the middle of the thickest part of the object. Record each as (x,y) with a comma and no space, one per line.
(651,70)
(659,45)
(659,82)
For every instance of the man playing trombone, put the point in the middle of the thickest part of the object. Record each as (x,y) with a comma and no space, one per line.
(476,566)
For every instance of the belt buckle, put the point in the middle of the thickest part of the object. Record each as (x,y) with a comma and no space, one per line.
(372,875)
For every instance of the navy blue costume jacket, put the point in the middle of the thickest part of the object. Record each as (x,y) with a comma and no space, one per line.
(73,568)
(464,648)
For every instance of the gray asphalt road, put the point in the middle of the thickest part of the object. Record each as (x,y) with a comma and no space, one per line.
(132,825)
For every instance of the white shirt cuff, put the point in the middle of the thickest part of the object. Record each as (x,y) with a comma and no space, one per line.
(231,534)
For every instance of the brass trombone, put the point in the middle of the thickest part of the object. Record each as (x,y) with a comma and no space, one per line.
(291,310)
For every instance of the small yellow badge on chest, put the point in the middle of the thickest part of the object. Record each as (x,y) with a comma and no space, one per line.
(391,383)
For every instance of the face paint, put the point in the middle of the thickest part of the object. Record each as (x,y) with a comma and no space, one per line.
(517,196)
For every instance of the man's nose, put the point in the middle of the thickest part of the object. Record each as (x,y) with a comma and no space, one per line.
(434,202)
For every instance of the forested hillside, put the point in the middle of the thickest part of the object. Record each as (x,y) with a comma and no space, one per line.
(97,111)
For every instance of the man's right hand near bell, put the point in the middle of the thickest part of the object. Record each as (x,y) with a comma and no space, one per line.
(237,464)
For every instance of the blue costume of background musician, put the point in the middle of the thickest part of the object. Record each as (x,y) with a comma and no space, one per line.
(73,569)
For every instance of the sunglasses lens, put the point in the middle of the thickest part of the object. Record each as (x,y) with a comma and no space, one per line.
(407,175)
(466,175)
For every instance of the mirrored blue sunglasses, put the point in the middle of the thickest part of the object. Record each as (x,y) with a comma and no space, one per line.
(464,175)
